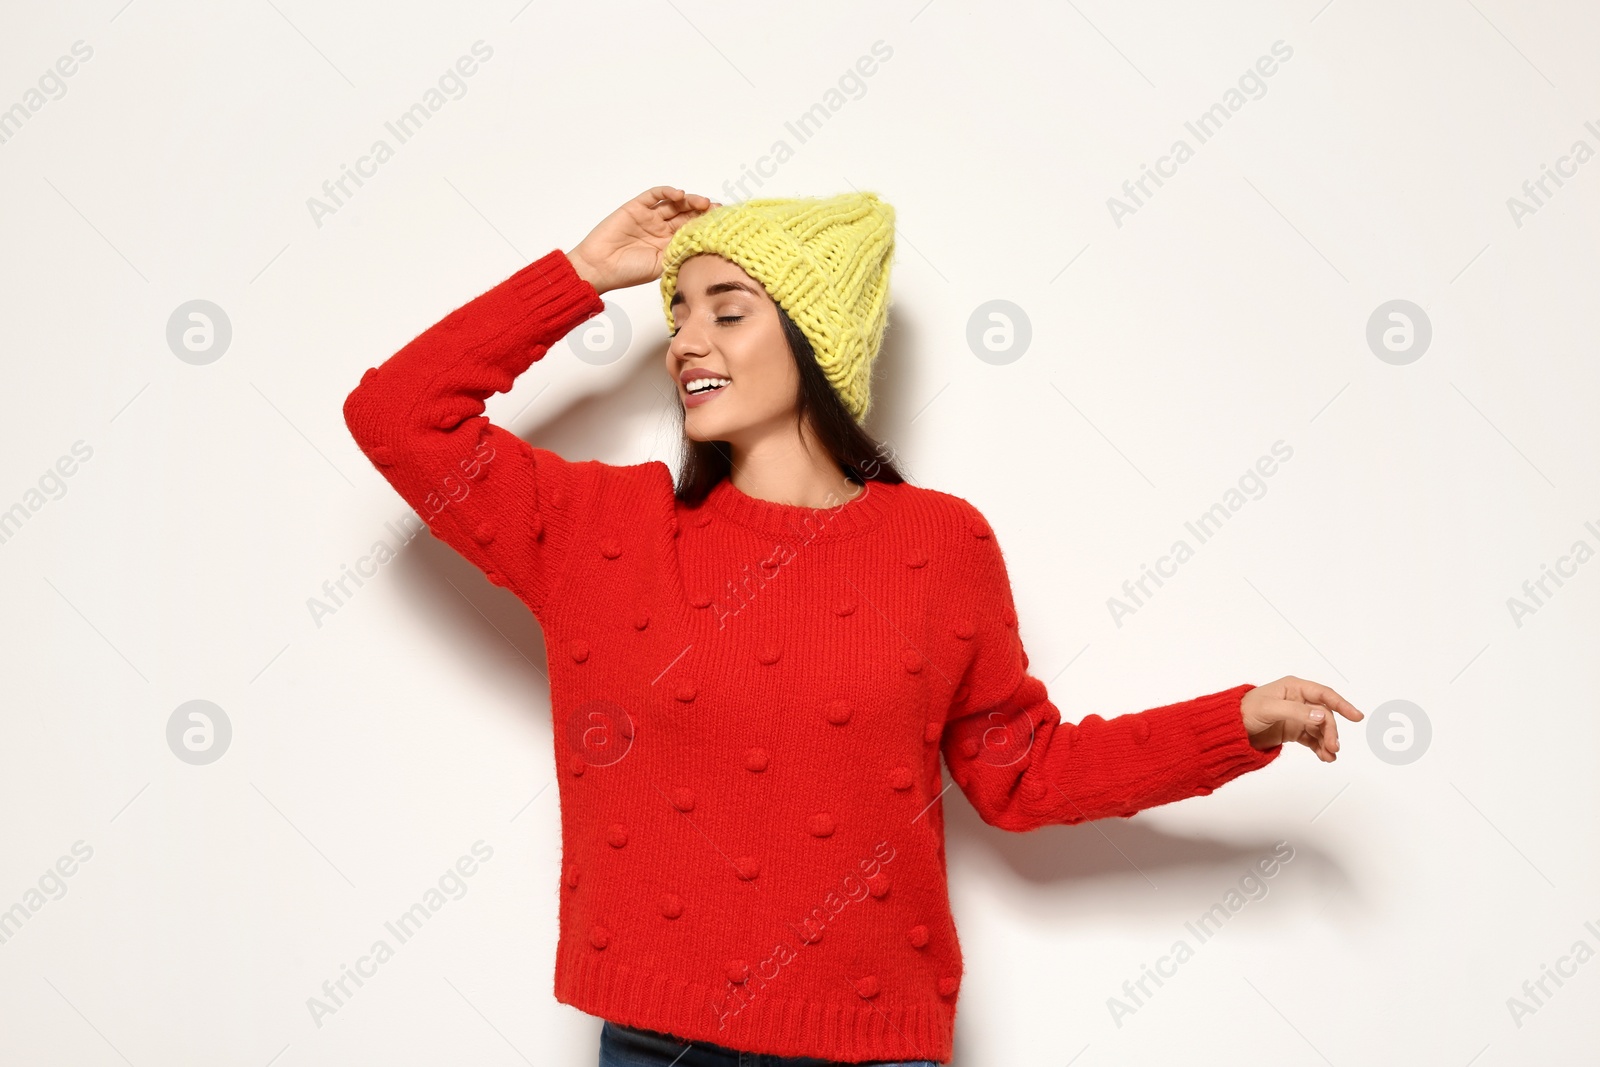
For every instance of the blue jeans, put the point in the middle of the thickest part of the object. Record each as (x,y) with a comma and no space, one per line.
(629,1046)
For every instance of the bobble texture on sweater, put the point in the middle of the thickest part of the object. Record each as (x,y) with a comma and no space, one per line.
(751,704)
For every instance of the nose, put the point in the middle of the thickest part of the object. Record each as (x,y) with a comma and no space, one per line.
(686,342)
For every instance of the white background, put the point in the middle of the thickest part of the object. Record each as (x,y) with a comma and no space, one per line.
(1169,352)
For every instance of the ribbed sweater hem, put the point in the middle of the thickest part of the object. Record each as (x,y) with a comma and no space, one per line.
(766,1023)
(1225,748)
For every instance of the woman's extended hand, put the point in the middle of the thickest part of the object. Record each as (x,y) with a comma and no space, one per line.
(626,248)
(1293,709)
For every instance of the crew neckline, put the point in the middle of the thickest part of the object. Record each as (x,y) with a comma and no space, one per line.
(857,515)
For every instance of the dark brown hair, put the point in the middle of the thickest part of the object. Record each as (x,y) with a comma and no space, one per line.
(859,455)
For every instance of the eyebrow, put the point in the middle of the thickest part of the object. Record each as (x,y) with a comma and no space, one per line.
(718,289)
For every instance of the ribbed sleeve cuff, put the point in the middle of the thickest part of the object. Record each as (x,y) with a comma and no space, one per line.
(550,297)
(1225,751)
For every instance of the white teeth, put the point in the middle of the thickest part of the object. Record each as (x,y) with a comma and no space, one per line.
(700,385)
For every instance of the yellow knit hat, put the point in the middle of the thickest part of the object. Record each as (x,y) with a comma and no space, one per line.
(824,261)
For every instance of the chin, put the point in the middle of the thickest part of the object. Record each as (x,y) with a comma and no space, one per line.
(701,431)
(701,428)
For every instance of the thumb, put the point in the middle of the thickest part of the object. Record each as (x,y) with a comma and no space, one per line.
(1304,720)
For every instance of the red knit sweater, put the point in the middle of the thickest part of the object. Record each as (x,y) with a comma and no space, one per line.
(750,701)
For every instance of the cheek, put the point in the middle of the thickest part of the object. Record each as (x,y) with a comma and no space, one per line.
(769,372)
(777,384)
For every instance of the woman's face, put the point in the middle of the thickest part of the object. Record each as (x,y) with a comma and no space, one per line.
(728,328)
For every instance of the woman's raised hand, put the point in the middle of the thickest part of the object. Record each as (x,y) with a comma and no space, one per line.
(626,248)
(1293,709)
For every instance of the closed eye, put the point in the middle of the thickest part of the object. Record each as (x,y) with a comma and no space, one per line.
(720,319)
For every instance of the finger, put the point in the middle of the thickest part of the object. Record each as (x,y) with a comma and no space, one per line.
(677,222)
(685,206)
(1308,719)
(1317,693)
(650,197)
(1314,743)
(1319,737)
(1327,729)
(664,201)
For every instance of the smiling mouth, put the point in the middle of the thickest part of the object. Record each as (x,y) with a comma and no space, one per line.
(706,390)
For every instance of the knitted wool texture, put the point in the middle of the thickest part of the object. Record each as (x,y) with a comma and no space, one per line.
(824,261)
(751,701)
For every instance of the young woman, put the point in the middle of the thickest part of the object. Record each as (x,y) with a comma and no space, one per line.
(754,673)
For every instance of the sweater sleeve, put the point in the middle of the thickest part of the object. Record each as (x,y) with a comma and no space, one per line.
(510,508)
(1022,767)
